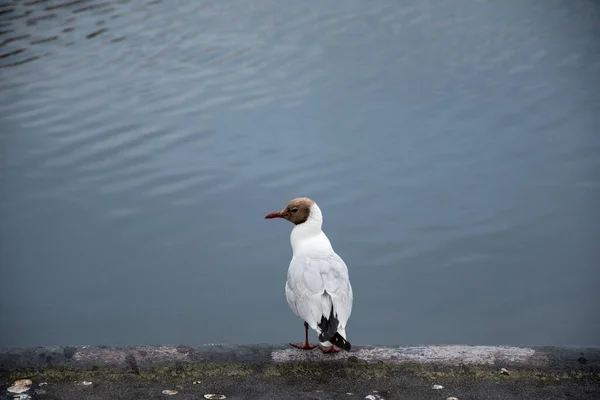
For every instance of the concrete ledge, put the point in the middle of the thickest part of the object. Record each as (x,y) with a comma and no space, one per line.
(262,371)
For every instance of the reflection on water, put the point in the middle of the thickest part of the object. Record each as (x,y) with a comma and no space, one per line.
(453,148)
(48,21)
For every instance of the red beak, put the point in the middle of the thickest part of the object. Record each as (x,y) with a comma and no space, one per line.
(274,215)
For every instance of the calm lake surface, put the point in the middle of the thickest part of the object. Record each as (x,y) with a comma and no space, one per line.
(453,146)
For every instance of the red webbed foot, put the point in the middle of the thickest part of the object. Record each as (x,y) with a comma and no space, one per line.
(329,350)
(303,346)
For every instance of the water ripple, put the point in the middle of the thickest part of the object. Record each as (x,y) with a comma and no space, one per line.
(437,136)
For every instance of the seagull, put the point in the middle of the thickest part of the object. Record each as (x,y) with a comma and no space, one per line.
(318,287)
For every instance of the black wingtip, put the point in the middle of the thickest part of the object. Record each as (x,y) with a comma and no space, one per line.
(329,332)
(339,341)
(328,327)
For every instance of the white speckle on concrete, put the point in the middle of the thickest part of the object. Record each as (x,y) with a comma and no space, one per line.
(20,386)
(22,396)
(17,389)
(449,355)
(451,398)
(196,382)
(170,392)
(97,355)
(437,387)
(86,383)
(43,383)
(215,396)
(374,396)
(504,371)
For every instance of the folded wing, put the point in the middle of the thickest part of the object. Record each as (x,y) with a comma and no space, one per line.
(315,285)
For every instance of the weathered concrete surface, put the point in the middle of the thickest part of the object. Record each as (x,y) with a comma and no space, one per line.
(267,372)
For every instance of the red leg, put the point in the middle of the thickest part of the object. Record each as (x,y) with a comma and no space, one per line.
(305,345)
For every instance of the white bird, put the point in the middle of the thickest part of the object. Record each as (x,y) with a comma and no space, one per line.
(318,287)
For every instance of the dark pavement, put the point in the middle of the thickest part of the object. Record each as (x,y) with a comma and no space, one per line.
(276,372)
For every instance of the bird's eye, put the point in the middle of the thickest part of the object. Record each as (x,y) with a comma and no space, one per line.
(294,209)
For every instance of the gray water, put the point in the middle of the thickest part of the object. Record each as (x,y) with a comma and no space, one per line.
(453,146)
